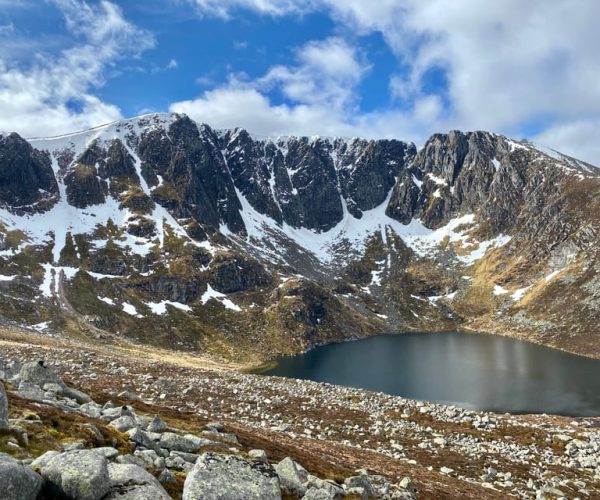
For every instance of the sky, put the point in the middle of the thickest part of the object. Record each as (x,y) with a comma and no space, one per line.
(381,68)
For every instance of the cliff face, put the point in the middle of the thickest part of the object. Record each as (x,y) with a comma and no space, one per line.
(176,234)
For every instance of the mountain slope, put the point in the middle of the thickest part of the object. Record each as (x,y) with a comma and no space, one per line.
(165,231)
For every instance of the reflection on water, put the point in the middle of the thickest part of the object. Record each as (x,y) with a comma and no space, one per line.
(482,372)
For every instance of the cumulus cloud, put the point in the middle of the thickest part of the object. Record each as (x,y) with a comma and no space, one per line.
(54,94)
(506,63)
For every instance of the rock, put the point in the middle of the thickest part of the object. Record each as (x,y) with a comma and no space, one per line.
(290,477)
(79,396)
(26,176)
(188,457)
(107,452)
(228,477)
(123,424)
(188,443)
(42,460)
(3,408)
(130,482)
(216,426)
(28,390)
(91,409)
(38,374)
(318,494)
(17,481)
(334,489)
(79,475)
(259,455)
(131,459)
(407,485)
(156,425)
(141,438)
(362,482)
(167,477)
(73,445)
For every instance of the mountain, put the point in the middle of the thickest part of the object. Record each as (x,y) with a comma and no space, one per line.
(164,231)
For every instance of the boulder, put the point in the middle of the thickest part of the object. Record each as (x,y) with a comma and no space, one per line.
(130,482)
(28,390)
(17,481)
(37,373)
(157,425)
(3,408)
(291,477)
(78,475)
(42,460)
(318,494)
(141,438)
(229,477)
(123,424)
(258,455)
(188,443)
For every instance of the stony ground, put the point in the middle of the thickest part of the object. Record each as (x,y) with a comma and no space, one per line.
(332,431)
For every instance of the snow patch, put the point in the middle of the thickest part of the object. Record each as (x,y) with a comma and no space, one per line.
(160,308)
(131,310)
(221,297)
(518,294)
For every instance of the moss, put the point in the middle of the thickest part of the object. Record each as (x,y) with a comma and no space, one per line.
(68,254)
(167,192)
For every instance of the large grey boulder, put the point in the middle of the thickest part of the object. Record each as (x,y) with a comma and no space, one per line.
(188,443)
(229,477)
(77,475)
(37,373)
(291,477)
(17,481)
(130,482)
(3,408)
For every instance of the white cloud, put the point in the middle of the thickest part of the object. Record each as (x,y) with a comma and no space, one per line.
(54,94)
(327,71)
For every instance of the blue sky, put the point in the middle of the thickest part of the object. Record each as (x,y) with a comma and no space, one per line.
(391,68)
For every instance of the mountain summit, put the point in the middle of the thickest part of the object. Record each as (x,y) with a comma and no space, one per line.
(176,234)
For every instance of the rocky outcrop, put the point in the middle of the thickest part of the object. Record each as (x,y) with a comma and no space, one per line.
(27,182)
(84,188)
(197,183)
(230,477)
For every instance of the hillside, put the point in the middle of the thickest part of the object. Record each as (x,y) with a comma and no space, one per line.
(169,233)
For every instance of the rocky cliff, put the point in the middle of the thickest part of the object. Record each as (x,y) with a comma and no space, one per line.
(172,233)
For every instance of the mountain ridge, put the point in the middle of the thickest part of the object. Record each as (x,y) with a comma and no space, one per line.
(195,233)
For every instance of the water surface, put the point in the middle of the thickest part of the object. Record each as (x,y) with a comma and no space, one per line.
(476,371)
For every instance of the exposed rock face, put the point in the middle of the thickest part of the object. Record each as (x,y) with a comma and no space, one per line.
(196,182)
(17,481)
(80,475)
(226,477)
(84,187)
(26,176)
